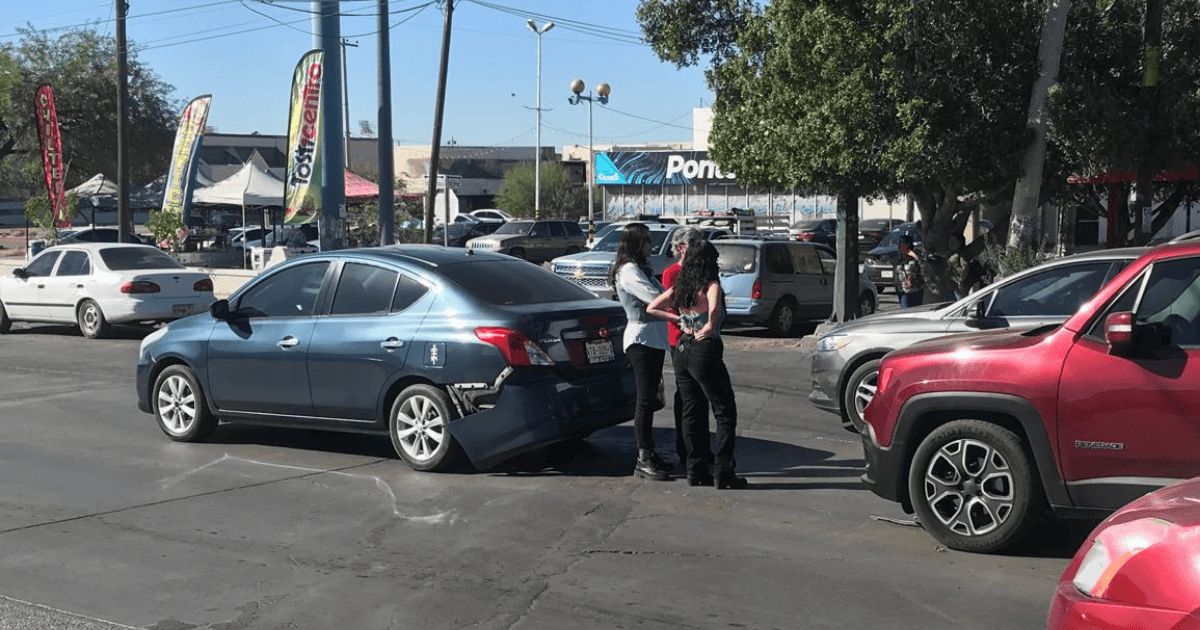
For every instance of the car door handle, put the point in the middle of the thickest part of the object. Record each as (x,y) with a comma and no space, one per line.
(391,343)
(79,286)
(288,342)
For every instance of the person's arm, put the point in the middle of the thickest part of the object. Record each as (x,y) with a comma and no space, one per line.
(713,293)
(636,284)
(659,305)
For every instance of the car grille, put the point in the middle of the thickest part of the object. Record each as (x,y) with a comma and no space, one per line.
(586,276)
(487,245)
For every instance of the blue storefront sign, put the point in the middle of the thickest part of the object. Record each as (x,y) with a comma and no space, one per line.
(678,168)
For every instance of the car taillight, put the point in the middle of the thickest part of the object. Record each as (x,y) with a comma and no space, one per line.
(518,349)
(756,290)
(140,286)
(203,285)
(805,236)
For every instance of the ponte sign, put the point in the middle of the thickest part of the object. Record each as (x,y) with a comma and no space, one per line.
(672,168)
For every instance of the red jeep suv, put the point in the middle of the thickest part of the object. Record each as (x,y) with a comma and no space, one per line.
(982,434)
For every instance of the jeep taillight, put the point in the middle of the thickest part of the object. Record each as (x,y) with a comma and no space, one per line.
(518,349)
(756,290)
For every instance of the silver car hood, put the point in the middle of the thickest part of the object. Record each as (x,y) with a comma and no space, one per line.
(588,257)
(916,319)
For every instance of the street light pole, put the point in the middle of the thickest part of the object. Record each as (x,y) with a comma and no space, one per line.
(602,92)
(537,157)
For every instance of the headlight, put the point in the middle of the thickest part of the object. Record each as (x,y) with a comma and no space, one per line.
(1114,547)
(831,343)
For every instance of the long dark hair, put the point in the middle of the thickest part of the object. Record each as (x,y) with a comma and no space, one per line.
(634,238)
(698,270)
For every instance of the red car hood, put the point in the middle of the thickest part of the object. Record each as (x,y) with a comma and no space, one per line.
(1011,338)
(1178,503)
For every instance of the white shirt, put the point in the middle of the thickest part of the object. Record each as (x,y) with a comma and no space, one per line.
(635,291)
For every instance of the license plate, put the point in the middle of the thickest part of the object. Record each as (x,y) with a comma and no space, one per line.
(886,273)
(600,351)
(181,309)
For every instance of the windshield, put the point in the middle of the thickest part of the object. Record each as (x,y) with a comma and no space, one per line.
(515,227)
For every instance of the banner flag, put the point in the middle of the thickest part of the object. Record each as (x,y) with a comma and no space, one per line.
(178,194)
(52,165)
(302,192)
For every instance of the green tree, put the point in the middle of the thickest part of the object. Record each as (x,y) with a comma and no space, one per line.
(560,198)
(81,66)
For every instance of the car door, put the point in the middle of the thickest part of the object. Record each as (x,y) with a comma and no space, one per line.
(558,240)
(258,360)
(364,341)
(23,296)
(813,281)
(540,242)
(66,286)
(1127,421)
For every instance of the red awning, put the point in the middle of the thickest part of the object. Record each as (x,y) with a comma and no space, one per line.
(359,190)
(1187,173)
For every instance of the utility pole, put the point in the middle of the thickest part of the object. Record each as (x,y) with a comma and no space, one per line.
(1029,186)
(326,36)
(845,276)
(346,97)
(124,222)
(435,150)
(1148,99)
(387,170)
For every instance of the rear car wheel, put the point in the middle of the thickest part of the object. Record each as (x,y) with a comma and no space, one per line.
(419,426)
(973,486)
(517,252)
(5,322)
(783,318)
(91,320)
(860,389)
(180,406)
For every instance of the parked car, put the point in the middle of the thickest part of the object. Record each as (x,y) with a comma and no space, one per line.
(820,231)
(871,232)
(779,282)
(448,352)
(100,235)
(590,269)
(1140,568)
(845,363)
(491,214)
(96,285)
(535,241)
(880,263)
(979,434)
(460,233)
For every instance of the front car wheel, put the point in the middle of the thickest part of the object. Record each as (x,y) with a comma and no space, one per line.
(973,486)
(860,389)
(180,407)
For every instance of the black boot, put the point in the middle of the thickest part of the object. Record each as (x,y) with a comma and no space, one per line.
(646,467)
(661,463)
(727,480)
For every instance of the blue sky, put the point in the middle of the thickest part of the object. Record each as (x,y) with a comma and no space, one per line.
(243,52)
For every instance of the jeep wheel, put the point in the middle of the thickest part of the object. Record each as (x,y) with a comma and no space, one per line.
(517,252)
(860,389)
(783,318)
(973,486)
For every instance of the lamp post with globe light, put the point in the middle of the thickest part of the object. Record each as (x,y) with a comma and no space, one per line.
(602,92)
(537,157)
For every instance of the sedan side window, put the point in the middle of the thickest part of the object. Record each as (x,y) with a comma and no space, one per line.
(1057,292)
(74,264)
(407,293)
(364,289)
(289,293)
(42,265)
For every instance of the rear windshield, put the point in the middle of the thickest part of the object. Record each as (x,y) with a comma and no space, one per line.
(132,258)
(513,282)
(736,257)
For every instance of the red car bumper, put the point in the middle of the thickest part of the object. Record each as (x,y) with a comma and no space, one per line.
(1072,610)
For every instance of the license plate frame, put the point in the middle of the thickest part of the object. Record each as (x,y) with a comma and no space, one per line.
(886,273)
(599,351)
(181,309)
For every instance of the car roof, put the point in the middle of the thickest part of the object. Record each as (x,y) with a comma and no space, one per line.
(94,246)
(420,254)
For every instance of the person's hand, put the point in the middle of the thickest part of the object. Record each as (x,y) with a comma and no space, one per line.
(703,332)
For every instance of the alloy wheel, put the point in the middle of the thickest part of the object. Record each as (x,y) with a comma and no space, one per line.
(969,487)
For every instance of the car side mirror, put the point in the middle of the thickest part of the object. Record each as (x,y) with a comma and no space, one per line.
(20,273)
(220,310)
(976,313)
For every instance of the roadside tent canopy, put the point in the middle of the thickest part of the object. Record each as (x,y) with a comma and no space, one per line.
(359,190)
(97,186)
(252,185)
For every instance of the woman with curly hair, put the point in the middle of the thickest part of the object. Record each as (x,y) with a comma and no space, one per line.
(700,371)
(645,341)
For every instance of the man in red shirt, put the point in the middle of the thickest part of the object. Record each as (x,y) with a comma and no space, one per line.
(679,243)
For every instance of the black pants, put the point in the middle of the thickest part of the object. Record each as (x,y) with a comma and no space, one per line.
(701,377)
(647,373)
(701,409)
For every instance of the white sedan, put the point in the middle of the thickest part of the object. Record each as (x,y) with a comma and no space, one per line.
(96,285)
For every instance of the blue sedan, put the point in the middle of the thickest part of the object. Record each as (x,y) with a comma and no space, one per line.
(448,351)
